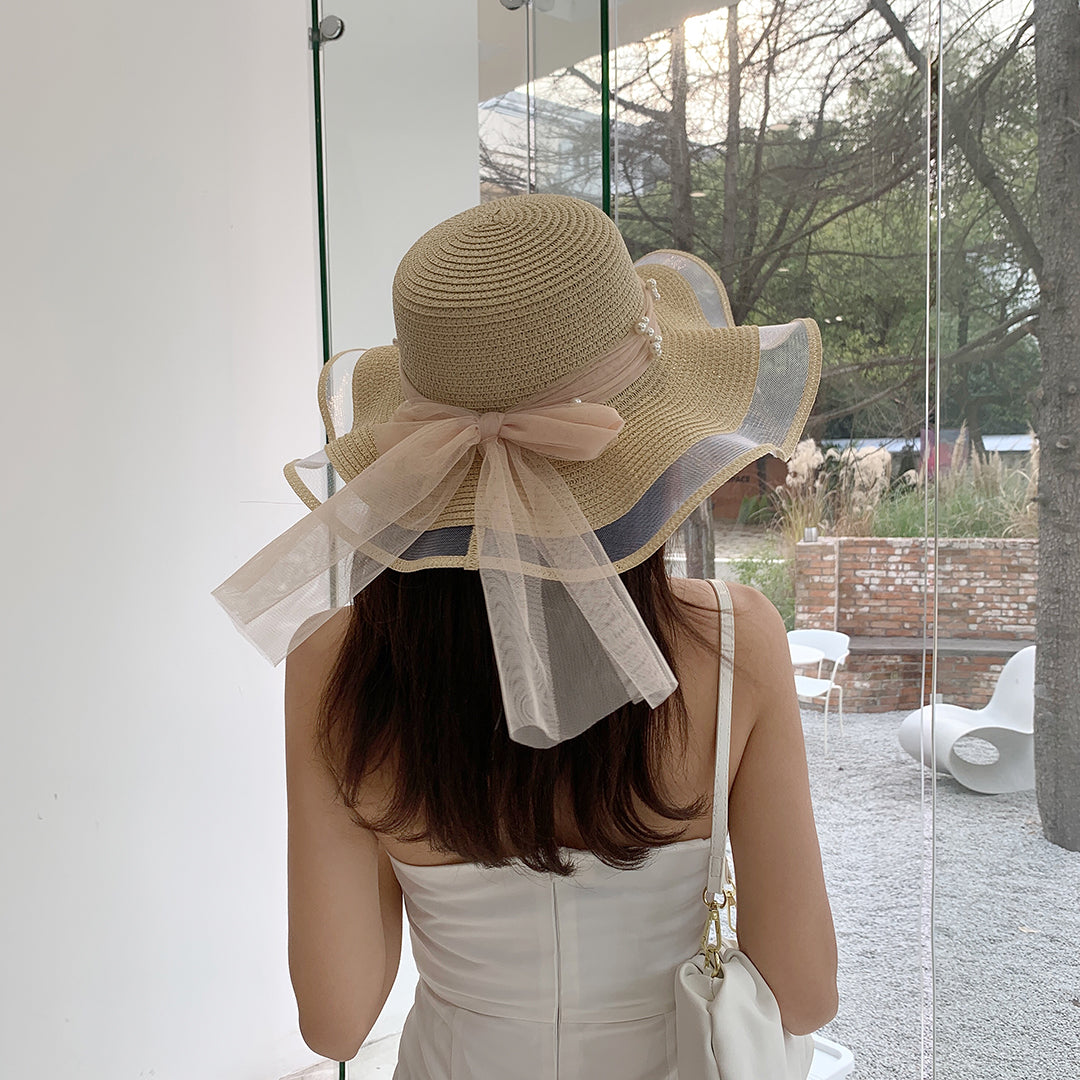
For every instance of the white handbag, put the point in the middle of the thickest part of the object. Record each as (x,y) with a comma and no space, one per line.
(727,1021)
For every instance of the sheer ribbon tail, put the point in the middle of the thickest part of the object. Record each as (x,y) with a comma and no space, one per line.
(569,643)
(292,586)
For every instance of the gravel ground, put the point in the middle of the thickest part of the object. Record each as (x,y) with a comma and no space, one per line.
(1006,916)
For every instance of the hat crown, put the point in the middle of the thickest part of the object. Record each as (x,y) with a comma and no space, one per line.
(500,301)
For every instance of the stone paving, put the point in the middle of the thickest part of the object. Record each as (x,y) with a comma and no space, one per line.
(1006,921)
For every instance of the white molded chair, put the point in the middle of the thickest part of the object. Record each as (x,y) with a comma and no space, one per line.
(1007,723)
(834,649)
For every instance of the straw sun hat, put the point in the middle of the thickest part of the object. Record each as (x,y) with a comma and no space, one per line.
(548,415)
(500,301)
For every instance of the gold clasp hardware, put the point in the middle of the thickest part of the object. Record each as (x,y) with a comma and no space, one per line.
(712,940)
(728,895)
(729,903)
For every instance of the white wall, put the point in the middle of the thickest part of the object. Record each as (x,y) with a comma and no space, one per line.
(401,130)
(402,154)
(158,351)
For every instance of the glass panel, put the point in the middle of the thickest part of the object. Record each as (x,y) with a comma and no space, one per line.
(396,158)
(798,173)
(787,143)
(545,134)
(505,130)
(389,141)
(1002,889)
(567,75)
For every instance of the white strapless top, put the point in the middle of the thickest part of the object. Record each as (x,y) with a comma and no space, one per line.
(531,976)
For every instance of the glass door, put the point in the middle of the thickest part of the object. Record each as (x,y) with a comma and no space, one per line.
(871,165)
(786,145)
(1008,770)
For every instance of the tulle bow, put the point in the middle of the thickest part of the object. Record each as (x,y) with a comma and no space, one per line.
(570,645)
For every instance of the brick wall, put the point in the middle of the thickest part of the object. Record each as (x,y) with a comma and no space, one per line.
(872,587)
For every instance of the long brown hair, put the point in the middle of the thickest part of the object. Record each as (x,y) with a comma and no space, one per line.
(415,689)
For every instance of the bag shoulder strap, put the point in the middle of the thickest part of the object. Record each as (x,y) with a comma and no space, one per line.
(718,867)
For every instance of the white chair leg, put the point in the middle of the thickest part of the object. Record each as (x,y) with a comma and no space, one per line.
(826,719)
(840,707)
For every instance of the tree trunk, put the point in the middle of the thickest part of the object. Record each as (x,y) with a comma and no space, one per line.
(697,531)
(1057,661)
(682,207)
(700,542)
(731,158)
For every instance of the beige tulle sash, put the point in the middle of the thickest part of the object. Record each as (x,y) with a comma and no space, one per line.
(569,643)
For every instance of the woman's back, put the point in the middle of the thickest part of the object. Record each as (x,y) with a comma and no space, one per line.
(686,772)
(574,976)
(533,975)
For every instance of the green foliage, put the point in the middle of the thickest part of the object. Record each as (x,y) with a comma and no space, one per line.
(962,512)
(902,513)
(772,576)
(980,497)
(756,510)
(830,219)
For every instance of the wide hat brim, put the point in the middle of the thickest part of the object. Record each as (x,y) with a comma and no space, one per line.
(718,398)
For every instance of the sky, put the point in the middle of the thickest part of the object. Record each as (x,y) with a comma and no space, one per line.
(641,68)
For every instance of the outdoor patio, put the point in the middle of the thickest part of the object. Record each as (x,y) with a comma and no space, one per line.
(1006,920)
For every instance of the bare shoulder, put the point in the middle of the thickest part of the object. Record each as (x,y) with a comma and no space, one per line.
(759,642)
(760,634)
(308,666)
(759,628)
(762,660)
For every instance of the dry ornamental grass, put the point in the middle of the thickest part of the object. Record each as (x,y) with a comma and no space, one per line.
(852,492)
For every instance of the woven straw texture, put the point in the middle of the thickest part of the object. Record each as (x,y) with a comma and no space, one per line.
(502,300)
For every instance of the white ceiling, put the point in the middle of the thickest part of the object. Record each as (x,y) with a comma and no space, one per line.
(568,31)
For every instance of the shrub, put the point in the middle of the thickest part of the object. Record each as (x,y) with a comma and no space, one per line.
(976,496)
(771,575)
(849,494)
(756,510)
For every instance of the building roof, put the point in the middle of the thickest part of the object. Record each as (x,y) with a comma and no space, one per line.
(994,444)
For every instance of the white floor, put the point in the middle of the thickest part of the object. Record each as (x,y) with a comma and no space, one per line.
(378,1059)
(375,1059)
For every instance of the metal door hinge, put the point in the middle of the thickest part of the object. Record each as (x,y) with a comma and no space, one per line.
(330,28)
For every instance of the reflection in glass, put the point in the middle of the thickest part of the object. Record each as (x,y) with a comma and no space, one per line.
(1004,894)
(545,133)
(785,145)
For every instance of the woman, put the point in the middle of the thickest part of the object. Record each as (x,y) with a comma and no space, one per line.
(509,749)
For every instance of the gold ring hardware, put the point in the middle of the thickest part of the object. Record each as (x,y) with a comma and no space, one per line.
(710,949)
(730,903)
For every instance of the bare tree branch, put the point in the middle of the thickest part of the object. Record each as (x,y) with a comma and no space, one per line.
(982,349)
(819,420)
(659,115)
(968,143)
